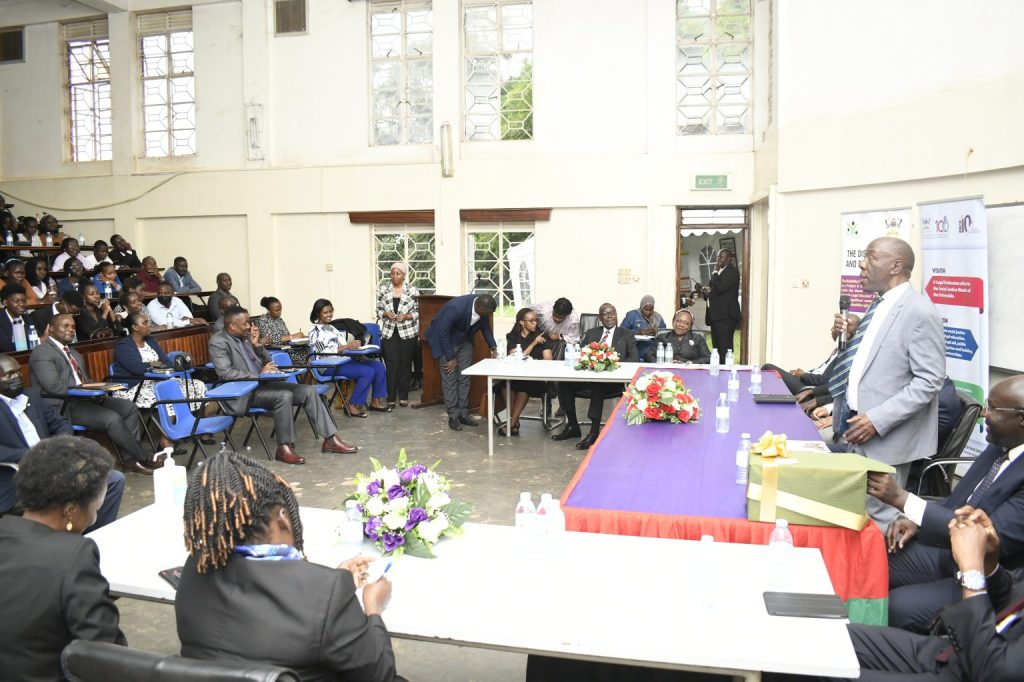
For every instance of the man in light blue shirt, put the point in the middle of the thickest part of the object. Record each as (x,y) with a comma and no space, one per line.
(180,278)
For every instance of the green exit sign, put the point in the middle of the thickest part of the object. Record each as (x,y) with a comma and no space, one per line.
(709,181)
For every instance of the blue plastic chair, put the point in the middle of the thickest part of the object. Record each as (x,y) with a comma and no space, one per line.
(328,375)
(182,425)
(373,329)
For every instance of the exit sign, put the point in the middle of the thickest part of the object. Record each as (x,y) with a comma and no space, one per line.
(708,181)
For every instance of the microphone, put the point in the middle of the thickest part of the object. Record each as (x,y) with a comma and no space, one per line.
(844,309)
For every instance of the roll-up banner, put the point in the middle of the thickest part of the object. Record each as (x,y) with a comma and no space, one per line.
(858,230)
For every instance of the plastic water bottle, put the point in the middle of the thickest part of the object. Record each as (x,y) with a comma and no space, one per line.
(715,368)
(722,414)
(502,351)
(108,291)
(33,339)
(9,238)
(733,386)
(729,358)
(555,520)
(526,513)
(49,239)
(755,380)
(540,520)
(518,354)
(781,537)
(352,529)
(741,459)
(81,238)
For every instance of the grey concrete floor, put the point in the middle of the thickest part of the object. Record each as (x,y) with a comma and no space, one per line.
(530,462)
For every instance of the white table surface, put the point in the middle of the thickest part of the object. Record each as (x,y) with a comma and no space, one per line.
(650,601)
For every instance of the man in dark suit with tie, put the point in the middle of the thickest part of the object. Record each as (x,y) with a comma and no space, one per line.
(624,343)
(55,367)
(14,324)
(722,293)
(25,419)
(450,336)
(922,575)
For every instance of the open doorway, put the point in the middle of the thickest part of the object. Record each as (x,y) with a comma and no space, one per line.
(703,233)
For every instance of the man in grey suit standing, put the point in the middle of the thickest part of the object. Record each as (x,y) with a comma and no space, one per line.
(886,383)
(55,367)
(235,357)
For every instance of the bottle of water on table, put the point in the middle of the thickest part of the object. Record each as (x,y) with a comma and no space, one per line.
(781,537)
(714,362)
(742,461)
(733,386)
(352,530)
(526,514)
(729,358)
(33,338)
(722,414)
(518,354)
(755,380)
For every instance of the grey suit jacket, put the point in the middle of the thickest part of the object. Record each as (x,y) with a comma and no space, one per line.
(230,365)
(899,389)
(50,371)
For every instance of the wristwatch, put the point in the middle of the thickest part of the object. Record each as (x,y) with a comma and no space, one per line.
(971,580)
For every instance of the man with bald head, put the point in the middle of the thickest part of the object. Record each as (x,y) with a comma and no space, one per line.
(886,383)
(922,573)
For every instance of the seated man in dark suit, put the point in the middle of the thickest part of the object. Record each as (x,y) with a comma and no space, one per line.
(624,343)
(450,336)
(922,574)
(55,368)
(25,419)
(235,357)
(15,333)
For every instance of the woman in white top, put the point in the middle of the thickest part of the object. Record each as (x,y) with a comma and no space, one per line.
(367,373)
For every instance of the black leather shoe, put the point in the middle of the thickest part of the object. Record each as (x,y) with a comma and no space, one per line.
(567,433)
(587,441)
(466,421)
(454,424)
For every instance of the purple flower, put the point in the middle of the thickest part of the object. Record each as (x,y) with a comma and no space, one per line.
(416,514)
(370,528)
(396,491)
(373,488)
(393,540)
(412,472)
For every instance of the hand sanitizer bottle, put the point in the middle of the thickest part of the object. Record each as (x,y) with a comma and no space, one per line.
(169,481)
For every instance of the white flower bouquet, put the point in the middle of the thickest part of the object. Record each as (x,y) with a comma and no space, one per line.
(406,508)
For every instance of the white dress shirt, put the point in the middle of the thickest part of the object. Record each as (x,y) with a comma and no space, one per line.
(176,315)
(67,358)
(882,310)
(610,336)
(914,507)
(474,316)
(17,406)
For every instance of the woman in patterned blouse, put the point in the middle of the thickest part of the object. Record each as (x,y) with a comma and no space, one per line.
(398,314)
(275,332)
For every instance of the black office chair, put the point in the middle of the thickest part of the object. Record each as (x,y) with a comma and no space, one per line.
(85,661)
(936,478)
(588,321)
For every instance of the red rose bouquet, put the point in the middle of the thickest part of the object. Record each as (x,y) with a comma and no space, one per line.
(598,357)
(661,397)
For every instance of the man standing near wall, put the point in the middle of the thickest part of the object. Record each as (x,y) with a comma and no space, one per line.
(450,336)
(886,383)
(722,293)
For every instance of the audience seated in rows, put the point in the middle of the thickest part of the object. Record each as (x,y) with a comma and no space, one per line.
(69,303)
(235,357)
(70,249)
(41,287)
(74,273)
(243,533)
(150,275)
(180,278)
(28,419)
(169,310)
(326,338)
(122,253)
(623,342)
(14,323)
(107,281)
(223,290)
(222,305)
(55,367)
(53,591)
(97,319)
(100,254)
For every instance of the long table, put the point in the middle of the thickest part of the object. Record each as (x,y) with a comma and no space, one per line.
(509,370)
(678,481)
(681,605)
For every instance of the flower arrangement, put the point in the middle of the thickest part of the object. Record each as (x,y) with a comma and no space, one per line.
(406,508)
(660,396)
(598,357)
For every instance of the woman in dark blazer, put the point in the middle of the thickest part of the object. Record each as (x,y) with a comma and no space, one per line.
(53,591)
(687,346)
(246,566)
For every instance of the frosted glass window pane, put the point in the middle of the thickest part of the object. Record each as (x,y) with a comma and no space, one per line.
(401,79)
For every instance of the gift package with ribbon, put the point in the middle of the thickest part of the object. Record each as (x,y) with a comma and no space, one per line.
(804,483)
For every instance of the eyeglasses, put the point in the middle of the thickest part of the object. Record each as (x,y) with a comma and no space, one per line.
(989,408)
(610,313)
(530,320)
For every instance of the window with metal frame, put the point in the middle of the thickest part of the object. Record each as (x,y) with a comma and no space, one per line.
(499,260)
(401,72)
(414,245)
(714,56)
(12,44)
(289,17)
(497,45)
(88,111)
(168,84)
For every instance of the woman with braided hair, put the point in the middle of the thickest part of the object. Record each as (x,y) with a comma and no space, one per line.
(248,593)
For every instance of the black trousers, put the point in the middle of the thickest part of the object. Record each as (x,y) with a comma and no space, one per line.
(398,356)
(921,582)
(599,391)
(722,332)
(117,418)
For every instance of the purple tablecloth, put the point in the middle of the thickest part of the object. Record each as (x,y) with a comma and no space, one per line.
(684,469)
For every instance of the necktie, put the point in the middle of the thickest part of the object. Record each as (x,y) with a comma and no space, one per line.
(250,357)
(606,337)
(74,366)
(986,483)
(841,373)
